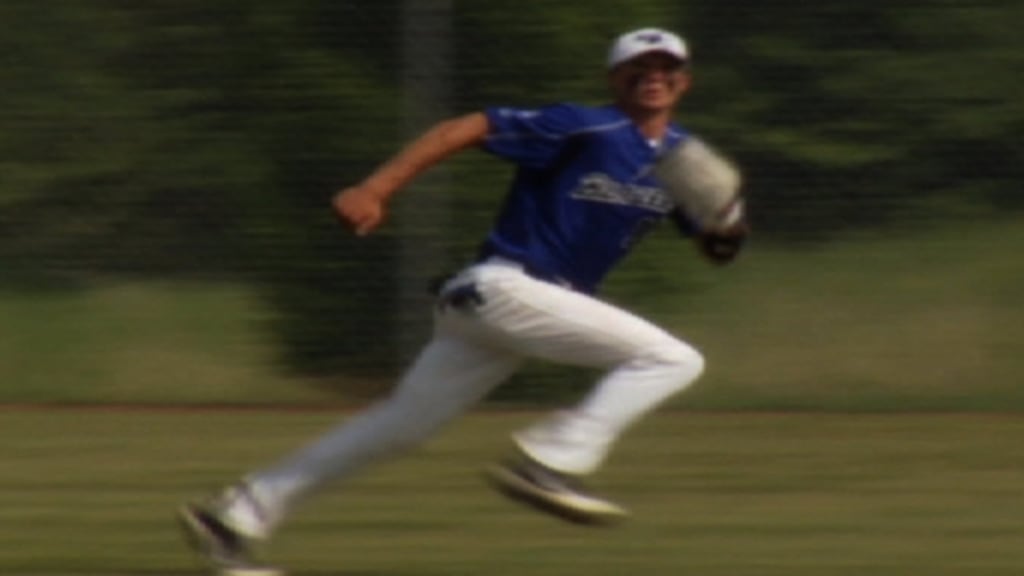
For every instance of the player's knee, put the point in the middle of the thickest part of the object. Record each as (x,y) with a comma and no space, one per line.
(683,363)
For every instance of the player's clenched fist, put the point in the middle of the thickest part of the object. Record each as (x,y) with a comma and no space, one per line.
(360,208)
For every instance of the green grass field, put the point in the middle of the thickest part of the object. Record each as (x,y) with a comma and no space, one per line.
(918,320)
(141,342)
(92,492)
(852,336)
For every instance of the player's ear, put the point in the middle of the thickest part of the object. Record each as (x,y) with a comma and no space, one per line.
(683,82)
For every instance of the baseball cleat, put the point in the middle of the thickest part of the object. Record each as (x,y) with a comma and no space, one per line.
(225,550)
(557,494)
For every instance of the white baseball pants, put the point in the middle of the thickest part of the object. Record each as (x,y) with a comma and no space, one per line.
(480,339)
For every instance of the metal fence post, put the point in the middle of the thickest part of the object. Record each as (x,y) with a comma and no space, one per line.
(422,214)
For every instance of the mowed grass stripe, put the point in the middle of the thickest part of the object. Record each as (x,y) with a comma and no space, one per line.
(93,493)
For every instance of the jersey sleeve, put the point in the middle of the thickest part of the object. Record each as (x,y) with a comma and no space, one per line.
(531,137)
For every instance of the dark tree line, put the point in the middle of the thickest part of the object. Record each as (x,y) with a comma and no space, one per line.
(196,138)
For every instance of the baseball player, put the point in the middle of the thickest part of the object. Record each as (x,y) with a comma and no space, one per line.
(582,195)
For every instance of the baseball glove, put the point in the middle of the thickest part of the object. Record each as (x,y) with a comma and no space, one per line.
(703,183)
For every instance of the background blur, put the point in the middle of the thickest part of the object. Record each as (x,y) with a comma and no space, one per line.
(166,167)
(165,241)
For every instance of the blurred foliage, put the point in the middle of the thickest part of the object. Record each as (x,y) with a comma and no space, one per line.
(863,113)
(189,138)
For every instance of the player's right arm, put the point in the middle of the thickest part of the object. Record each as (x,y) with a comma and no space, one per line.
(362,206)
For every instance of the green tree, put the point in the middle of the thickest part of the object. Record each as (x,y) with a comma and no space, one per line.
(848,114)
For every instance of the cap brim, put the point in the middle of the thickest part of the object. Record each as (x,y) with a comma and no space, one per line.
(675,56)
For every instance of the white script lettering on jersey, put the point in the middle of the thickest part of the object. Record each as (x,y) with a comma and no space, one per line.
(518,113)
(597,187)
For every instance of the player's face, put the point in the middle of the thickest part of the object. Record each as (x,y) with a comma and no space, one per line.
(652,82)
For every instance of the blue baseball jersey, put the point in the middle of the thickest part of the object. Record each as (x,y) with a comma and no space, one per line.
(583,192)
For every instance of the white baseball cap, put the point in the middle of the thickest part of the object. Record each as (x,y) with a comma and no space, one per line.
(633,44)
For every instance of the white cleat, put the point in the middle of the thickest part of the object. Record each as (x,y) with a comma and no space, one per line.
(226,551)
(544,489)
